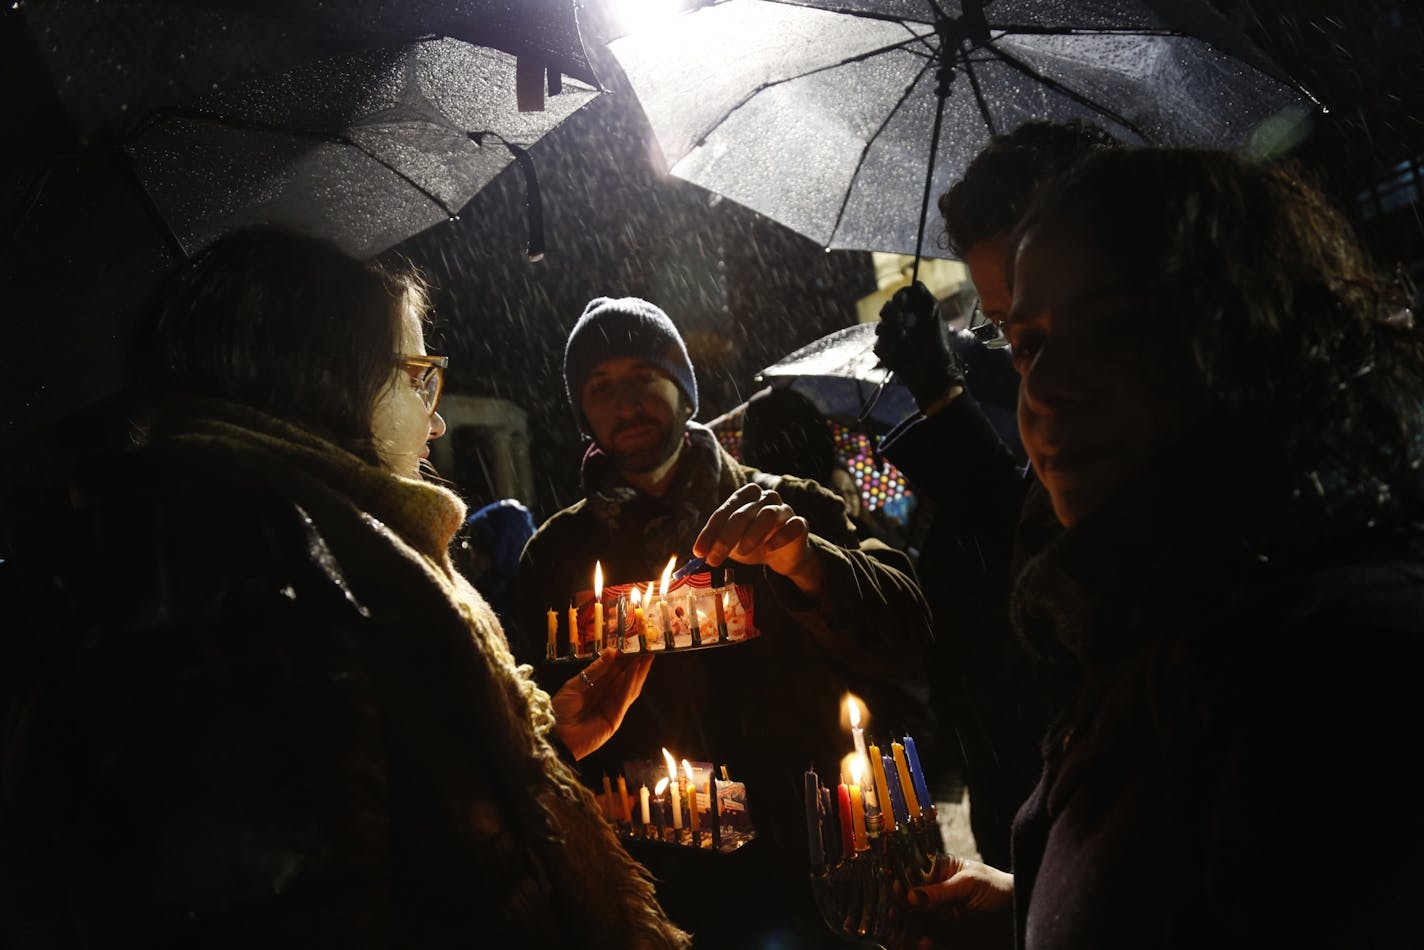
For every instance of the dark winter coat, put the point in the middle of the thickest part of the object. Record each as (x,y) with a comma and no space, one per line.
(1237,770)
(260,708)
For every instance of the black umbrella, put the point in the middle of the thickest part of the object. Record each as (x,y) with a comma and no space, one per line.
(840,118)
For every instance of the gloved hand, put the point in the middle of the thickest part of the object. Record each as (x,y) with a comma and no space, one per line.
(913,342)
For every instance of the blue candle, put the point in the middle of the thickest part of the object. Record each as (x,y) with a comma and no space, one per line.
(917,774)
(897,797)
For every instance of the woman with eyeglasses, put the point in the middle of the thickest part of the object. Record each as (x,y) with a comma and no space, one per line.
(260,707)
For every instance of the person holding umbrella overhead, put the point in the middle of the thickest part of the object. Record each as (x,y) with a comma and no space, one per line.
(258,705)
(835,613)
(1220,393)
(996,697)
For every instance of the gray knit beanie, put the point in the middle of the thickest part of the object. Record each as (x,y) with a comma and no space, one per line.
(626,326)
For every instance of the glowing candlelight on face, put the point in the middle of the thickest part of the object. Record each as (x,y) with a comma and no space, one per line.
(857,735)
(672,791)
(857,806)
(598,631)
(692,819)
(663,601)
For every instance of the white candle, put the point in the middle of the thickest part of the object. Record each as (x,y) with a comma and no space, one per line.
(673,792)
(643,805)
(857,736)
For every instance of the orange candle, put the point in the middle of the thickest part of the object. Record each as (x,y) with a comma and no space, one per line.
(902,766)
(599,634)
(623,798)
(573,629)
(552,619)
(882,789)
(857,805)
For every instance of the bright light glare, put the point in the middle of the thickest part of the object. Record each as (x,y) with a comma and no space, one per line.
(635,15)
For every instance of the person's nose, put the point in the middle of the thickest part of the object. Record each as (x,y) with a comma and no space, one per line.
(437,425)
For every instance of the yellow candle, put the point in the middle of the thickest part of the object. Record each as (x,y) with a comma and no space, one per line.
(691,799)
(552,619)
(640,627)
(573,629)
(623,799)
(599,633)
(882,788)
(902,766)
(673,792)
(857,806)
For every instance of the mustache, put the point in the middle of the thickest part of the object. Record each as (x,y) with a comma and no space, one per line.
(633,424)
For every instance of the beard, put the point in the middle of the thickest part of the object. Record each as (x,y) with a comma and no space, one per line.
(645,458)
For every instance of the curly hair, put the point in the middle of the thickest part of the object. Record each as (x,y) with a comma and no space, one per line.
(286,324)
(998,184)
(1303,354)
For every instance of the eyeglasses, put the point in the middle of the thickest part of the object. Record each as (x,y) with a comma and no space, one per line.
(988,332)
(427,376)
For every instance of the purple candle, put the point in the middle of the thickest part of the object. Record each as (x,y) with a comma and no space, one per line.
(897,797)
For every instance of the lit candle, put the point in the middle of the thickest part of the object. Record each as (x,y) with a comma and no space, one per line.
(663,602)
(902,768)
(627,806)
(692,819)
(917,774)
(573,629)
(857,806)
(857,735)
(599,633)
(847,831)
(643,805)
(672,791)
(892,786)
(552,621)
(813,821)
(882,789)
(662,804)
(719,604)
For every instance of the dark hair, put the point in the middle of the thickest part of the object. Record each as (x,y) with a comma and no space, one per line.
(287,324)
(999,182)
(1303,355)
(783,433)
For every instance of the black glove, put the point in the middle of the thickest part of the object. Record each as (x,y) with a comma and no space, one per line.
(913,343)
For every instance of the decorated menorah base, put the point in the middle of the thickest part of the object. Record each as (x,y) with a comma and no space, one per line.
(722,839)
(855,893)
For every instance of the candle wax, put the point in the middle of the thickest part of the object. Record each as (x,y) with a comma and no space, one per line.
(643,805)
(857,818)
(847,830)
(573,630)
(676,805)
(882,789)
(857,735)
(553,624)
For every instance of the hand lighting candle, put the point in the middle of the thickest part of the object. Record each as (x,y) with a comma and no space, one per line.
(693,819)
(847,829)
(857,805)
(882,789)
(857,735)
(673,791)
(663,602)
(552,622)
(917,774)
(600,634)
(902,768)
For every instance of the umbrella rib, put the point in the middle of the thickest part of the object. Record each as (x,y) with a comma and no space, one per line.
(870,140)
(979,96)
(1057,86)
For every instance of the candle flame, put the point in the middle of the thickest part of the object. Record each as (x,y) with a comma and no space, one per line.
(598,580)
(671,764)
(687,770)
(661,787)
(667,573)
(637,597)
(854,711)
(857,770)
(652,587)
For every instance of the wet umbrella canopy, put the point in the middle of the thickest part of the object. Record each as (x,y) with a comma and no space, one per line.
(826,115)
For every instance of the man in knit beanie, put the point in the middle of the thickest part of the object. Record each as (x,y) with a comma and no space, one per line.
(835,614)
